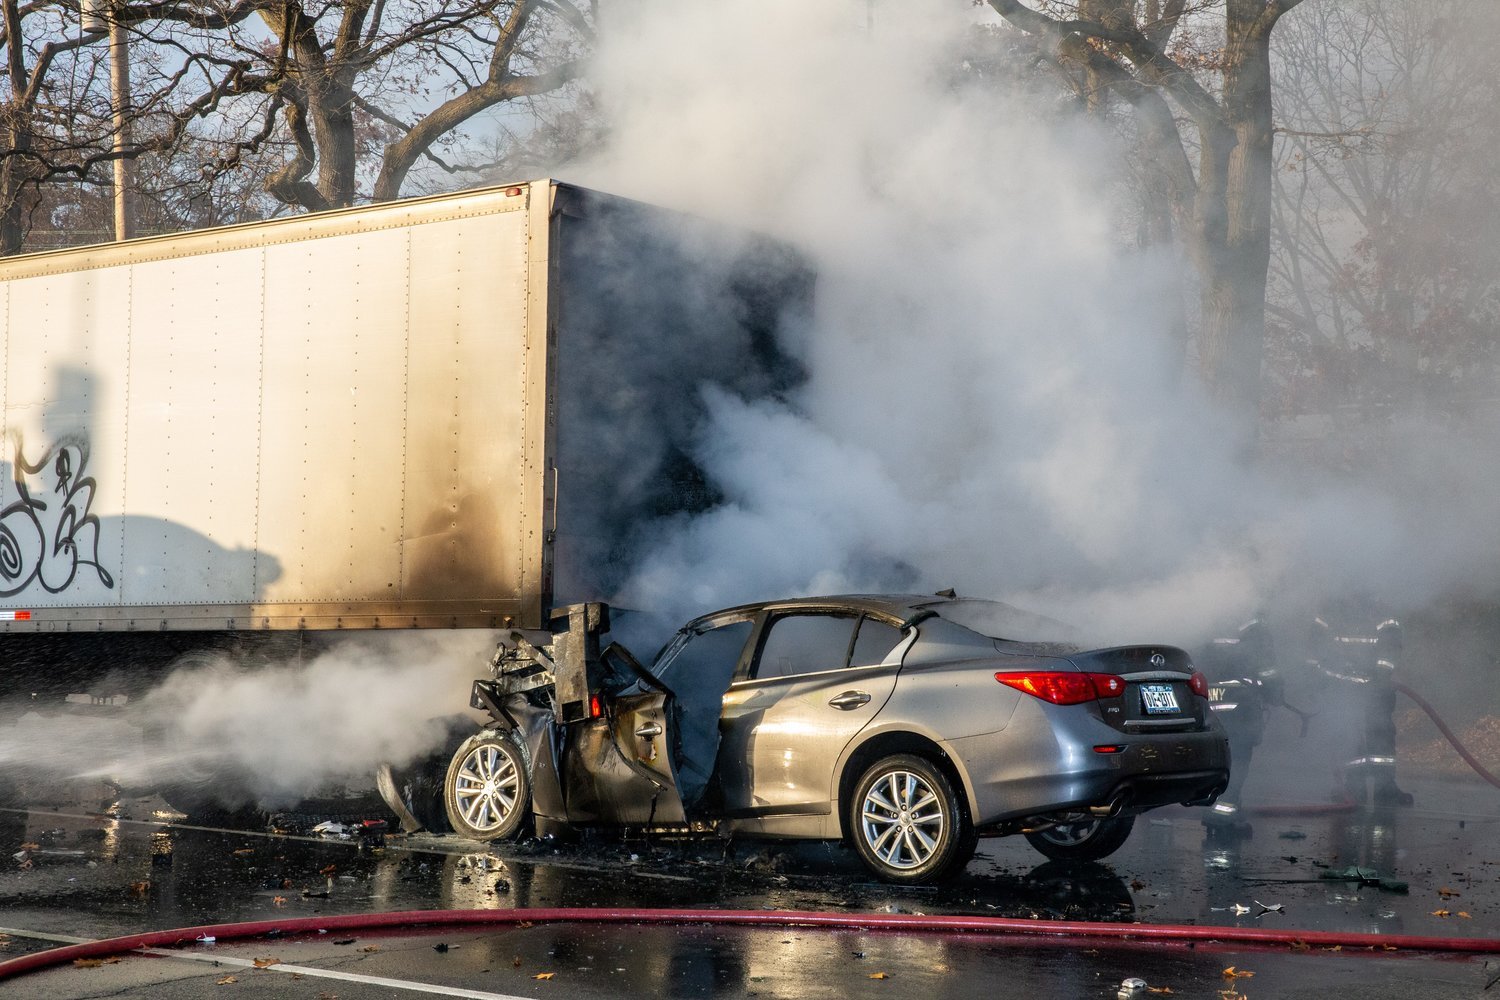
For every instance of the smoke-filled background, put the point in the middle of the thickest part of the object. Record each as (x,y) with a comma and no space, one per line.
(992,400)
(994,396)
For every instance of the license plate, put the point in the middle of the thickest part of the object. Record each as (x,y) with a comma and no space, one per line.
(1158,699)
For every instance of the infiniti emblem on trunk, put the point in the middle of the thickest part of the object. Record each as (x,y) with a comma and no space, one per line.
(1157,660)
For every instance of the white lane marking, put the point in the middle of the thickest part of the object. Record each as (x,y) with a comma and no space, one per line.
(348,977)
(41,936)
(304,970)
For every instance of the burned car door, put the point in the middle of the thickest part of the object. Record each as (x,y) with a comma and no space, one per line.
(698,665)
(817,680)
(620,767)
(650,752)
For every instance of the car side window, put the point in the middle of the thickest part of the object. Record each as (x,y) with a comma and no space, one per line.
(805,644)
(876,641)
(704,660)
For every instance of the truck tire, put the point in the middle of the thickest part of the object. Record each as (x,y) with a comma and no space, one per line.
(488,789)
(204,785)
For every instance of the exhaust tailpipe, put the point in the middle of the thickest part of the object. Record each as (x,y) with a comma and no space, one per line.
(1115,806)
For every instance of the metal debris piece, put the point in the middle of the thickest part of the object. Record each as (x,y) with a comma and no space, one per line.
(1130,988)
(1365,877)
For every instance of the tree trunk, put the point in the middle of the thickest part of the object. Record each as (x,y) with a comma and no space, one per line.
(17,135)
(1234,216)
(332,111)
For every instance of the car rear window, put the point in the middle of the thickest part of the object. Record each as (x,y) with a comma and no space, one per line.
(805,644)
(875,642)
(1001,621)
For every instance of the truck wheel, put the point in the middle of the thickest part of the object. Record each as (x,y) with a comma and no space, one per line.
(488,790)
(907,823)
(1086,840)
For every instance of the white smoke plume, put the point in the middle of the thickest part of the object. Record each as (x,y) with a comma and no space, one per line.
(269,734)
(992,403)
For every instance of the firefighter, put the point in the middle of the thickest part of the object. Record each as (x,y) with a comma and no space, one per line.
(1363,672)
(1243,686)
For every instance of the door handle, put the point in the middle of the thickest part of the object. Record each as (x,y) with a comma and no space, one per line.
(849,700)
(650,730)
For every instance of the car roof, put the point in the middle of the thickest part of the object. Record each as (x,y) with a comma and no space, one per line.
(900,609)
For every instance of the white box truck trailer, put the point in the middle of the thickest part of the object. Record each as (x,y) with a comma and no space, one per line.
(443,413)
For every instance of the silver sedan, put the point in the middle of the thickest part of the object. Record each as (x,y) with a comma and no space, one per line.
(908,726)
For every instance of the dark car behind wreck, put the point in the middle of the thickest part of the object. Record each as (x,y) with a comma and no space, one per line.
(907,726)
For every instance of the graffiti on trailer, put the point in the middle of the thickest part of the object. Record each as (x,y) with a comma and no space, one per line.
(47,534)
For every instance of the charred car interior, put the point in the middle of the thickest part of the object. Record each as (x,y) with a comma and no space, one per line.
(906,725)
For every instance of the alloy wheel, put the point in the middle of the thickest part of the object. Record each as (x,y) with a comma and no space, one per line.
(487,787)
(902,820)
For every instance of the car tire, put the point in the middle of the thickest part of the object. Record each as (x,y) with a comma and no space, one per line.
(487,793)
(907,823)
(1086,840)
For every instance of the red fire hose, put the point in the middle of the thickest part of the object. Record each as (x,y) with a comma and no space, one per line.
(1443,728)
(1152,934)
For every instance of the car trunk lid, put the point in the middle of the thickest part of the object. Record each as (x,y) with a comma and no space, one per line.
(1156,690)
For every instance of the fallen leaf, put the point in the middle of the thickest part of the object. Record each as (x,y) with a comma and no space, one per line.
(1165,990)
(29,846)
(226,981)
(266,963)
(1464,915)
(87,963)
(544,975)
(1445,891)
(278,900)
(329,870)
(879,975)
(245,850)
(1440,913)
(1233,973)
(370,947)
(1300,945)
(515,963)
(140,888)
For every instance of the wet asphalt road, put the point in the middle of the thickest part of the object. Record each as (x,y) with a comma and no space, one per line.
(126,870)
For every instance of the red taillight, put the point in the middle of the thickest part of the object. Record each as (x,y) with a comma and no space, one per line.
(1064,688)
(1107,685)
(596,707)
(1199,684)
(1110,748)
